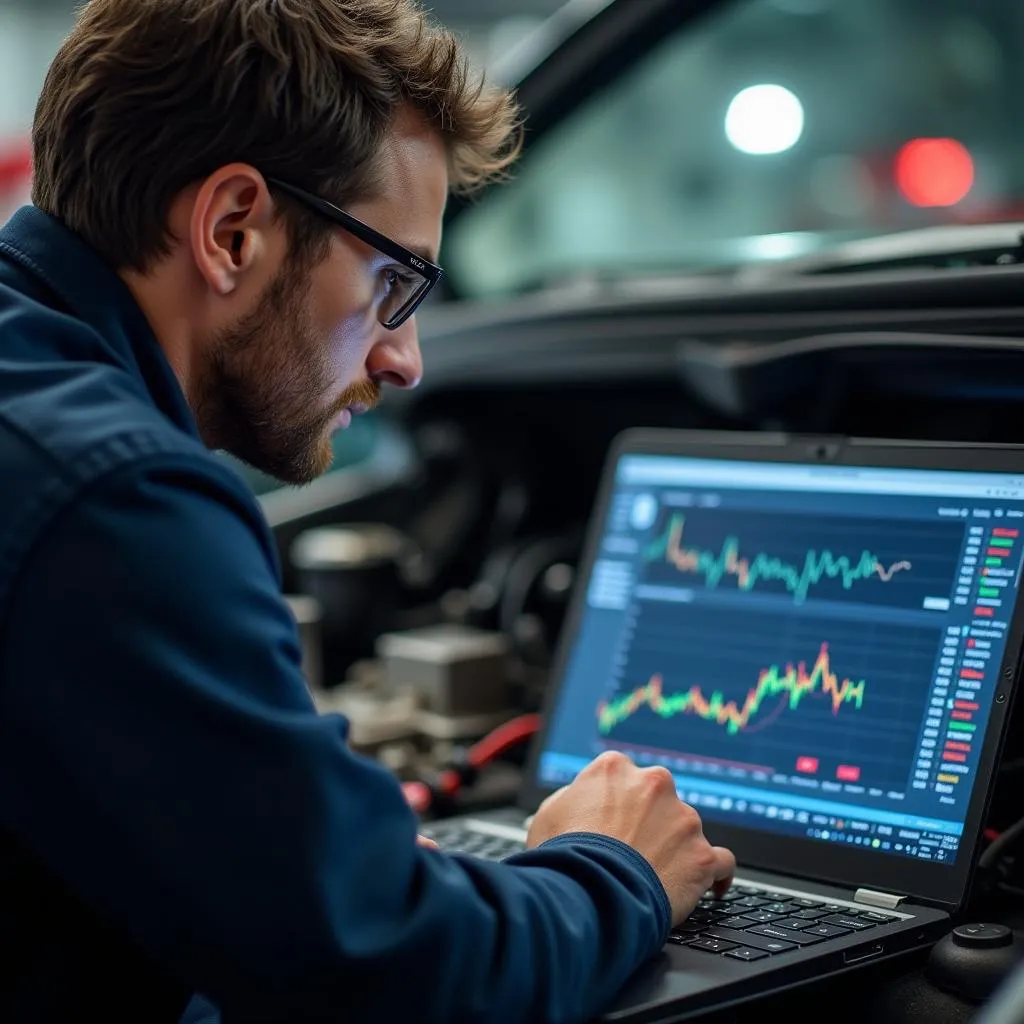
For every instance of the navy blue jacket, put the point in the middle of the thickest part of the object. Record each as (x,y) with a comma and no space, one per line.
(175,817)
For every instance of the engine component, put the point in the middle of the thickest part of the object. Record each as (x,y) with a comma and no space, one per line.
(455,671)
(353,572)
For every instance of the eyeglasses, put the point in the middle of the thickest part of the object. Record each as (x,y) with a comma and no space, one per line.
(406,287)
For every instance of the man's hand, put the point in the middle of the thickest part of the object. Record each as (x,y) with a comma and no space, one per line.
(640,807)
(429,843)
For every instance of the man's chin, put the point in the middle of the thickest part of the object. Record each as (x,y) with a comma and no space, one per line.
(296,470)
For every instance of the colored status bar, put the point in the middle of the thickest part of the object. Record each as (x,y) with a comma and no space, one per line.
(996,571)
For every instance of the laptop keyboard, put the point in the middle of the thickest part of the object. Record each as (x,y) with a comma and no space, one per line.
(747,923)
(750,923)
(459,839)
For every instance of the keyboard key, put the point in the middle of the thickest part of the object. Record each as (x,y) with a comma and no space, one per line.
(680,940)
(750,939)
(835,908)
(494,851)
(690,927)
(747,890)
(848,921)
(750,901)
(792,922)
(826,931)
(733,921)
(712,904)
(870,915)
(761,916)
(710,945)
(809,915)
(746,953)
(476,844)
(807,904)
(779,907)
(773,931)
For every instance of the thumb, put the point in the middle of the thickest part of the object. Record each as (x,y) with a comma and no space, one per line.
(428,843)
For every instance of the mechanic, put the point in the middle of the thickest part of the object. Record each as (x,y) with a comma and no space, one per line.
(237,207)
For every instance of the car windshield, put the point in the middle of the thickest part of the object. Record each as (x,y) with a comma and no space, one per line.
(770,128)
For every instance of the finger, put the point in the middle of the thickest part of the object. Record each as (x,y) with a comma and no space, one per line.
(725,869)
(429,843)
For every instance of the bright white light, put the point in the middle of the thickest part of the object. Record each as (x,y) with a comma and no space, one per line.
(779,246)
(645,511)
(764,119)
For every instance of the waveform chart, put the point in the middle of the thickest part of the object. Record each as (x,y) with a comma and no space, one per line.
(828,698)
(803,558)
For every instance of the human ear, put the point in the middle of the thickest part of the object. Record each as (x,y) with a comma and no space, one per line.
(231,216)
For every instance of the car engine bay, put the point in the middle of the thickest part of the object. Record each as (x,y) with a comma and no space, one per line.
(439,585)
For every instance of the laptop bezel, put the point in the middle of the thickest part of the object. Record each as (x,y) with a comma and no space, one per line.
(943,885)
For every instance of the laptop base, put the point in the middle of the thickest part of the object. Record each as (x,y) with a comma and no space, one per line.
(794,931)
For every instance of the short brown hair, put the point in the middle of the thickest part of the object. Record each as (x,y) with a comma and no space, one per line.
(147,96)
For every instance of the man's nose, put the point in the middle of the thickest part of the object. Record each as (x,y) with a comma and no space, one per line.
(395,357)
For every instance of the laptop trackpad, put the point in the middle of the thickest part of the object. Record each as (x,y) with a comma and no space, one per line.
(679,973)
(675,974)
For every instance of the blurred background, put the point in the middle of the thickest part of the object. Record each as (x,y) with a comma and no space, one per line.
(764,130)
(32,30)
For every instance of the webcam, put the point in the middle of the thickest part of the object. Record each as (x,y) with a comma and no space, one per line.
(823,451)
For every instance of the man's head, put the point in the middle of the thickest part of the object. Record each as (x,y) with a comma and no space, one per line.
(162,132)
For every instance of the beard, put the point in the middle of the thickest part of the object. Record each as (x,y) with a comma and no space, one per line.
(267,386)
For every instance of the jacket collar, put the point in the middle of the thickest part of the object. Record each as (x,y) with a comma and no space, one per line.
(88,287)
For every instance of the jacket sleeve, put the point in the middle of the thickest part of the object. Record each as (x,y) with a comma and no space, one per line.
(160,752)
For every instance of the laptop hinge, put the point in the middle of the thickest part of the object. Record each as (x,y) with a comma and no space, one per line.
(885,900)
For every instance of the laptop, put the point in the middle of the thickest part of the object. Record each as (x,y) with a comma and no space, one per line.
(820,638)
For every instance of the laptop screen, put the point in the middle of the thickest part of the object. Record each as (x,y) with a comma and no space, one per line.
(811,650)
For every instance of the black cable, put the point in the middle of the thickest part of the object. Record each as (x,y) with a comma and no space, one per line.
(524,572)
(999,846)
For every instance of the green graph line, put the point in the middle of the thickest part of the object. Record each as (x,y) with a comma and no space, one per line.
(793,680)
(798,580)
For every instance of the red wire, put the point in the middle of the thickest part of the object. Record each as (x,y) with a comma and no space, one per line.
(492,746)
(417,796)
(506,736)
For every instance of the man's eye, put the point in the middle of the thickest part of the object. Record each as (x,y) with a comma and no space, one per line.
(393,277)
(401,277)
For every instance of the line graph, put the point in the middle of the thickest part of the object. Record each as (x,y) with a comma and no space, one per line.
(772,689)
(892,562)
(798,580)
(793,680)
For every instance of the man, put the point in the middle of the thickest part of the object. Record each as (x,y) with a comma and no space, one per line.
(237,208)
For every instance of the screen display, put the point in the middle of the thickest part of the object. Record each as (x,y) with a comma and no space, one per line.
(811,650)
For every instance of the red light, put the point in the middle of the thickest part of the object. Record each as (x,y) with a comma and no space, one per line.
(934,172)
(807,764)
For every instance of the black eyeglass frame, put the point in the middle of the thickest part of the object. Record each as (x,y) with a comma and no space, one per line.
(429,272)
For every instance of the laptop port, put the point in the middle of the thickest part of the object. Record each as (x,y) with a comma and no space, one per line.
(856,956)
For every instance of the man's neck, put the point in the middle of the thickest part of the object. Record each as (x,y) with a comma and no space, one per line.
(161,303)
